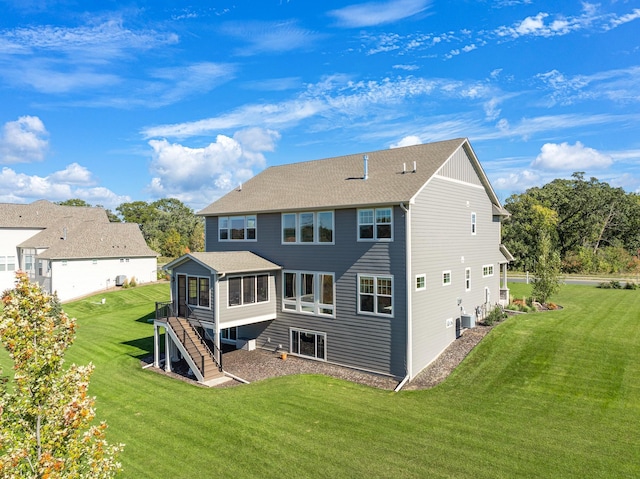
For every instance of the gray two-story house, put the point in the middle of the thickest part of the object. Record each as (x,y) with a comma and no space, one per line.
(375,261)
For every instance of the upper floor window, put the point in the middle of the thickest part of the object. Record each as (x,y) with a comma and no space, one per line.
(473,223)
(446,278)
(375,224)
(248,289)
(421,282)
(467,279)
(375,295)
(308,292)
(233,228)
(487,270)
(308,227)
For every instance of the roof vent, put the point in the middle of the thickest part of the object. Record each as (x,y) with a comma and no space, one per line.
(404,168)
(366,166)
(414,167)
(64,233)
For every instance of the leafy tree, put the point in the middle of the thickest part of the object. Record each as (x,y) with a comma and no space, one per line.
(45,418)
(168,225)
(546,281)
(73,202)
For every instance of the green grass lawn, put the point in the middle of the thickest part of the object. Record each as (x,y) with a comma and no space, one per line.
(548,395)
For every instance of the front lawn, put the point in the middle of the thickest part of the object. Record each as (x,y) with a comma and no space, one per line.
(553,394)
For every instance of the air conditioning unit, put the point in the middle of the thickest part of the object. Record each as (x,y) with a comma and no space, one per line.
(468,321)
(120,279)
(246,344)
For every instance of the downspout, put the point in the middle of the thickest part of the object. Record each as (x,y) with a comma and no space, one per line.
(407,232)
(216,308)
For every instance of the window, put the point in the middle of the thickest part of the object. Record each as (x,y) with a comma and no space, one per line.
(3,263)
(198,291)
(64,262)
(309,292)
(467,279)
(11,263)
(375,295)
(309,344)
(94,261)
(487,270)
(229,334)
(248,289)
(421,282)
(307,228)
(446,278)
(203,292)
(237,228)
(473,223)
(375,224)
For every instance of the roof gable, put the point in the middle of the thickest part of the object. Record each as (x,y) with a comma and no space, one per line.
(339,182)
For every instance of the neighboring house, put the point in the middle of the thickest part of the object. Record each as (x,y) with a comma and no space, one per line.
(69,250)
(375,261)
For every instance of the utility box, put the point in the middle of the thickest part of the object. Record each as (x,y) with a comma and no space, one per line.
(468,321)
(120,279)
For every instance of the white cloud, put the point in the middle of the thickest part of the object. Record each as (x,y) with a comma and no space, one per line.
(73,174)
(59,186)
(270,37)
(205,173)
(23,140)
(377,13)
(568,157)
(516,181)
(407,141)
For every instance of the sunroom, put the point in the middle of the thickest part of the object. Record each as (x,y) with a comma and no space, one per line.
(211,294)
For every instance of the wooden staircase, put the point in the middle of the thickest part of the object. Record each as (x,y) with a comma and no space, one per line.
(194,349)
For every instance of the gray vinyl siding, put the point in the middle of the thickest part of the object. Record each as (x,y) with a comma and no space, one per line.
(442,241)
(191,268)
(246,311)
(458,167)
(368,342)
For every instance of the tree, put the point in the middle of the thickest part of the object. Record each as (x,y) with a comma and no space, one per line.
(46,428)
(73,202)
(546,281)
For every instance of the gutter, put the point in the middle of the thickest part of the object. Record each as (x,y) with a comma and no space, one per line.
(402,383)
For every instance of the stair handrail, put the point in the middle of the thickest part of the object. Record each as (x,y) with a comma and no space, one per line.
(191,319)
(187,341)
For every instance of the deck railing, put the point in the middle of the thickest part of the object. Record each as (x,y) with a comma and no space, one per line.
(166,310)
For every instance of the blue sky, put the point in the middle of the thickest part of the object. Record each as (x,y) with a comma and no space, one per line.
(140,100)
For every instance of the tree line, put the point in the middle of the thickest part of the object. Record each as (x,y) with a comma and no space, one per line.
(168,226)
(593,227)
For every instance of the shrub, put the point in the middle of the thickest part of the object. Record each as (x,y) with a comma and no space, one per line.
(630,285)
(125,284)
(495,315)
(133,283)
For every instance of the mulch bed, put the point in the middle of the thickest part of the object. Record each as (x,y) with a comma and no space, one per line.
(261,364)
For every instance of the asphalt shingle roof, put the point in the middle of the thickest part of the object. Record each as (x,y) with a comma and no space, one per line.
(74,232)
(229,261)
(338,182)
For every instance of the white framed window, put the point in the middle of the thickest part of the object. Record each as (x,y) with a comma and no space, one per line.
(237,228)
(467,279)
(473,223)
(198,291)
(310,344)
(309,292)
(487,270)
(421,282)
(446,278)
(375,295)
(94,261)
(64,262)
(247,289)
(375,224)
(310,227)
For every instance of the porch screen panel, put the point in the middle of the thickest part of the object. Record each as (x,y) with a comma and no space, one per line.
(192,293)
(248,289)
(263,288)
(235,290)
(203,289)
